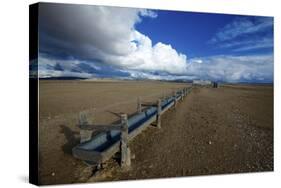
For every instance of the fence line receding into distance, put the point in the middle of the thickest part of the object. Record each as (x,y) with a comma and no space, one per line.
(114,138)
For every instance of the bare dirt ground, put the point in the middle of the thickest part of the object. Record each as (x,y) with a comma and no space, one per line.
(213,131)
(60,103)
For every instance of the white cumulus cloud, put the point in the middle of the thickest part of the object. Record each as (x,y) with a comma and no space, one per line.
(83,40)
(230,68)
(105,34)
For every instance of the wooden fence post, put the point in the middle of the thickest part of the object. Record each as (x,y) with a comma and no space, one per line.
(159,109)
(175,99)
(85,135)
(125,151)
(139,105)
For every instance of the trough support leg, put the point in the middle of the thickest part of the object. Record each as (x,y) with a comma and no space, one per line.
(85,135)
(125,151)
(159,113)
(182,95)
(139,105)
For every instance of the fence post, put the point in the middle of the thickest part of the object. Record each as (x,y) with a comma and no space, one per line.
(85,135)
(159,113)
(175,99)
(125,151)
(139,105)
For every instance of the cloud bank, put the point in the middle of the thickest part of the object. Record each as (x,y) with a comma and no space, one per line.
(105,34)
(252,68)
(97,41)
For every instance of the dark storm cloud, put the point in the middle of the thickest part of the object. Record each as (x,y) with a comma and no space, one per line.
(87,32)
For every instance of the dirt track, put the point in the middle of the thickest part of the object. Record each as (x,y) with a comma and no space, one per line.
(213,131)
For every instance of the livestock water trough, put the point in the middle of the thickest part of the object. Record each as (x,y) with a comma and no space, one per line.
(114,138)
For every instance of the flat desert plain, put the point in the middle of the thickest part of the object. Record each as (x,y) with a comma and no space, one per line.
(213,131)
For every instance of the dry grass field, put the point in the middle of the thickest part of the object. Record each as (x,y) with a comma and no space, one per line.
(213,131)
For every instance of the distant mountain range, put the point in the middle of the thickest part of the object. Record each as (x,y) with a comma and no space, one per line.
(63,78)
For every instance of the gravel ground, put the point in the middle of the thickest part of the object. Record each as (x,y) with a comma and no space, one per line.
(60,103)
(213,131)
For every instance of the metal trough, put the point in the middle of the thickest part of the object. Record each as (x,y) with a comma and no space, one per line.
(105,144)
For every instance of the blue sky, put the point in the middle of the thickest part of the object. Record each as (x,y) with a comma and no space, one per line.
(94,41)
(191,33)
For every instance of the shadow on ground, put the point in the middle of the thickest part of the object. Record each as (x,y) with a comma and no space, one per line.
(72,139)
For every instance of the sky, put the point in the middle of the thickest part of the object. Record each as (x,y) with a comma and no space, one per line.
(129,43)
